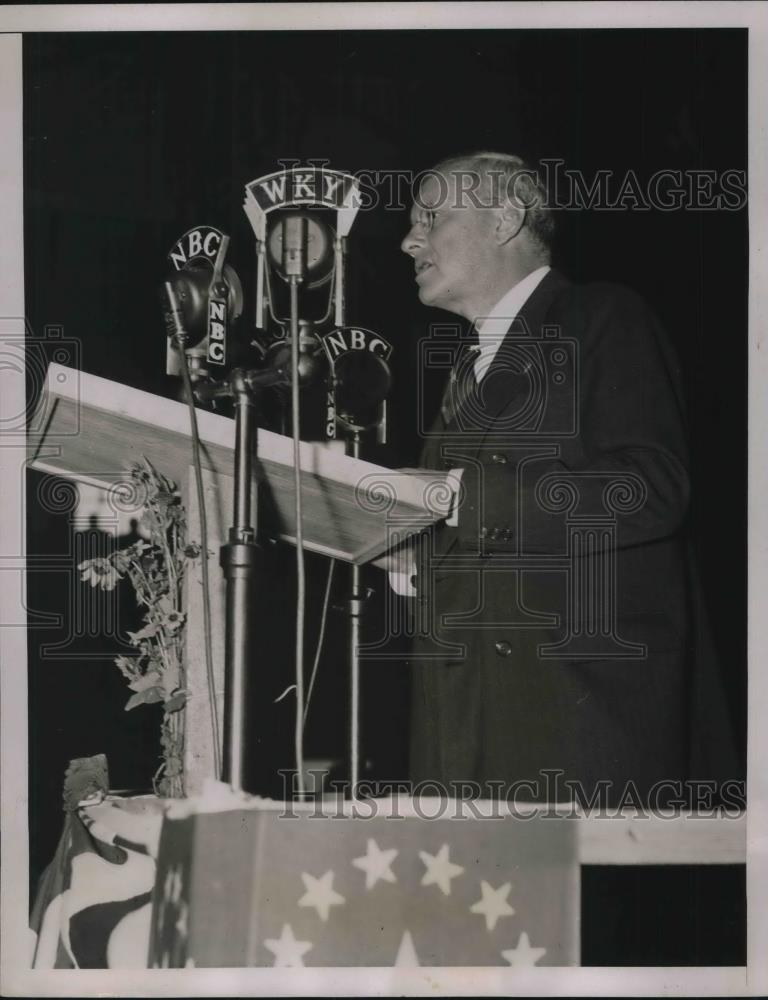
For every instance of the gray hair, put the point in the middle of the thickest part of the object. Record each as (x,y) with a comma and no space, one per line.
(497,178)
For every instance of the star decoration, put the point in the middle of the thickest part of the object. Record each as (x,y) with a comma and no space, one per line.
(406,953)
(493,904)
(440,870)
(287,950)
(376,864)
(320,893)
(524,954)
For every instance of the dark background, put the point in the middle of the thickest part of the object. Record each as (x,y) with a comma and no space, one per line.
(132,139)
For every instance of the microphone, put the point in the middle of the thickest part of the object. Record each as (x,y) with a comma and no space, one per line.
(207,299)
(294,232)
(313,366)
(205,392)
(174,323)
(217,308)
(362,378)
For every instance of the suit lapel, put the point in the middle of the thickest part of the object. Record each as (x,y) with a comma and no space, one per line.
(507,377)
(500,389)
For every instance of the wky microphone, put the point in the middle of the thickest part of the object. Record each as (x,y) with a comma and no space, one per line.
(294,239)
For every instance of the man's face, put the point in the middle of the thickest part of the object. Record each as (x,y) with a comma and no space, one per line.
(451,242)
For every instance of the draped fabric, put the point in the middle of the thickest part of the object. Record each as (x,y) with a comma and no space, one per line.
(92,908)
(279,887)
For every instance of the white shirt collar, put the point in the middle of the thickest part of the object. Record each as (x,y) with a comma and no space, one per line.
(492,329)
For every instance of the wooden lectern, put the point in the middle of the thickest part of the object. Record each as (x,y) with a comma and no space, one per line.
(93,430)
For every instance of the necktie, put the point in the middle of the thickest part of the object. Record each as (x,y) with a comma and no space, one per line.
(462,382)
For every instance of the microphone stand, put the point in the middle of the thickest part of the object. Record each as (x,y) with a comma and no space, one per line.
(240,559)
(295,276)
(241,556)
(355,607)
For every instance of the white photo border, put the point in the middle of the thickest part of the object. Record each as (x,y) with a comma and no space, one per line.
(17,979)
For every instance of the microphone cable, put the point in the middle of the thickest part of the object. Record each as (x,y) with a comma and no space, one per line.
(301,583)
(180,336)
(320,637)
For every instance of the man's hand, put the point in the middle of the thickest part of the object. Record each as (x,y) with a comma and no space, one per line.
(399,560)
(400,565)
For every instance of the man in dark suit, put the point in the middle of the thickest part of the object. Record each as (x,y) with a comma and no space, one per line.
(558,643)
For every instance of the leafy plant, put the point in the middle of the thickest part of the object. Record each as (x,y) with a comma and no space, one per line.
(156,570)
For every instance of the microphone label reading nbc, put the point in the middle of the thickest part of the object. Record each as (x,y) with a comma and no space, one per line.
(354,338)
(217,329)
(361,379)
(200,243)
(209,296)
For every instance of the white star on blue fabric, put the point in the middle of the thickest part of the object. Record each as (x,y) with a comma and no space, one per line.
(493,904)
(376,864)
(320,894)
(524,954)
(440,870)
(406,954)
(287,950)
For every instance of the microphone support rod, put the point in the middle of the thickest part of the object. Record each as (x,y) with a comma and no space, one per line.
(355,609)
(241,560)
(301,586)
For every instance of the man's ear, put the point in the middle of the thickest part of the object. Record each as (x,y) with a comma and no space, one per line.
(509,222)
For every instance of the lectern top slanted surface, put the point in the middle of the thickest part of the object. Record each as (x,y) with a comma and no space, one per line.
(91,429)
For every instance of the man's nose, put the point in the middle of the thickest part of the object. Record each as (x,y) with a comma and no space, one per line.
(414,240)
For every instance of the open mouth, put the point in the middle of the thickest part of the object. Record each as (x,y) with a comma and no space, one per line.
(422,267)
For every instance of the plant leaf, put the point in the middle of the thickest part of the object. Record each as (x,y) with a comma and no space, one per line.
(176,701)
(128,666)
(145,633)
(151,679)
(144,698)
(170,679)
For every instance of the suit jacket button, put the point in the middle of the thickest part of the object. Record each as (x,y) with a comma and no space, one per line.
(499,459)
(503,648)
